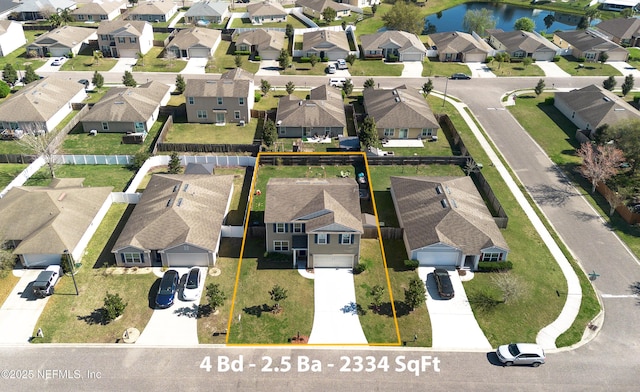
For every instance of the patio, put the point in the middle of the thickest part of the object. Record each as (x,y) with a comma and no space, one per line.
(403,143)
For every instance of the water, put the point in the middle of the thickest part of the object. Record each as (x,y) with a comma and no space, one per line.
(505,16)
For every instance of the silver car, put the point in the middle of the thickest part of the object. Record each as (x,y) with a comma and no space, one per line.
(521,354)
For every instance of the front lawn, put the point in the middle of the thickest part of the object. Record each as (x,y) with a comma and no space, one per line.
(84,61)
(435,68)
(224,60)
(515,69)
(7,283)
(230,133)
(300,68)
(18,58)
(94,175)
(572,66)
(155,61)
(9,171)
(375,68)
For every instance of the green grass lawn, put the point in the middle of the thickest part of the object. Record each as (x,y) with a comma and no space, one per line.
(7,283)
(68,318)
(634,57)
(515,69)
(375,68)
(94,175)
(435,68)
(571,65)
(224,60)
(372,23)
(154,61)
(9,171)
(305,69)
(84,61)
(230,133)
(246,23)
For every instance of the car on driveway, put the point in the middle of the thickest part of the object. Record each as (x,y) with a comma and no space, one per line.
(44,284)
(331,69)
(521,354)
(341,64)
(443,282)
(58,62)
(193,284)
(167,291)
(460,76)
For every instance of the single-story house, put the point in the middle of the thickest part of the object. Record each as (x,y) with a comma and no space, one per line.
(591,107)
(62,41)
(196,42)
(623,31)
(445,222)
(41,222)
(153,11)
(127,109)
(266,12)
(315,8)
(11,37)
(177,222)
(317,221)
(226,100)
(125,39)
(360,3)
(41,105)
(259,42)
(400,113)
(329,44)
(99,10)
(458,46)
(39,9)
(520,44)
(386,44)
(590,45)
(203,13)
(618,5)
(322,115)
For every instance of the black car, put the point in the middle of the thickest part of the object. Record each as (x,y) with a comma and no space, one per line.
(443,281)
(167,291)
(460,76)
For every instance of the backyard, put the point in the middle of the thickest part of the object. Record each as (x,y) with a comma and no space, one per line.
(9,171)
(230,133)
(94,175)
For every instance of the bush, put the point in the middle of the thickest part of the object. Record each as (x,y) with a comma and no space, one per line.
(581,59)
(494,266)
(549,100)
(636,98)
(4,89)
(325,59)
(392,58)
(275,256)
(257,58)
(304,60)
(242,52)
(411,264)
(113,307)
(556,59)
(359,268)
(258,97)
(489,59)
(139,159)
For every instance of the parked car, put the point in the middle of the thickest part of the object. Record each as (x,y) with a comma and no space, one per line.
(443,282)
(331,69)
(192,287)
(460,76)
(58,62)
(337,82)
(167,291)
(521,354)
(44,284)
(341,64)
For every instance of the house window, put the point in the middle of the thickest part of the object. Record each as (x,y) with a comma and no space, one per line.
(132,258)
(90,17)
(219,100)
(281,227)
(121,40)
(236,114)
(220,118)
(321,238)
(519,54)
(202,114)
(491,257)
(426,132)
(298,227)
(103,17)
(105,126)
(104,37)
(345,239)
(283,130)
(191,100)
(241,101)
(139,127)
(133,40)
(590,56)
(80,17)
(389,131)
(281,246)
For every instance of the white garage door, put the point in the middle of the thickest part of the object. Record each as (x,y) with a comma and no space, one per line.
(40,260)
(128,53)
(438,258)
(199,53)
(187,259)
(333,261)
(411,57)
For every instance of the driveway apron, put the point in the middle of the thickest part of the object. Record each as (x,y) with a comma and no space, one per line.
(21,311)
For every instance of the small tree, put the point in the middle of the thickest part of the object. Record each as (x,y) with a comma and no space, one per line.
(278,294)
(510,286)
(170,56)
(369,133)
(527,61)
(548,20)
(289,31)
(374,8)
(471,166)
(39,143)
(313,59)
(414,296)
(113,307)
(369,83)
(427,87)
(599,163)
(128,79)
(627,85)
(174,163)
(139,159)
(609,83)
(347,87)
(4,89)
(140,58)
(238,61)
(269,133)
(351,58)
(97,80)
(524,24)
(97,57)
(329,14)
(180,84)
(377,292)
(29,74)
(284,60)
(603,58)
(7,259)
(265,86)
(215,296)
(290,87)
(539,87)
(9,74)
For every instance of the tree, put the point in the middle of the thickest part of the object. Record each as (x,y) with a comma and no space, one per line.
(470,166)
(599,163)
(133,2)
(7,259)
(603,58)
(215,295)
(29,74)
(591,14)
(128,79)
(377,292)
(524,24)
(265,86)
(414,296)
(174,163)
(313,59)
(140,59)
(170,56)
(625,135)
(9,74)
(404,16)
(180,84)
(615,198)
(269,133)
(478,21)
(97,80)
(289,31)
(329,14)
(583,23)
(539,87)
(374,8)
(627,85)
(626,13)
(139,158)
(54,20)
(351,58)
(290,87)
(238,61)
(527,61)
(427,87)
(369,133)
(510,286)
(347,87)
(502,57)
(609,83)
(113,307)
(4,89)
(278,294)
(369,83)
(548,20)
(65,15)
(284,60)
(39,142)
(97,57)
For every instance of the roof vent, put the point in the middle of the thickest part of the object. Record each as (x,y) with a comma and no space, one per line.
(119,103)
(62,196)
(445,203)
(618,110)
(439,190)
(394,92)
(169,202)
(607,99)
(448,189)
(397,99)
(179,202)
(175,188)
(453,202)
(186,186)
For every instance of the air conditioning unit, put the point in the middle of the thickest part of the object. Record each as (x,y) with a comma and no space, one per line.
(241,123)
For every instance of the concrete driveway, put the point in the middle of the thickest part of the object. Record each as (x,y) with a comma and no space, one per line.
(124,64)
(21,311)
(47,67)
(624,68)
(335,320)
(412,69)
(175,326)
(453,325)
(195,66)
(551,69)
(480,70)
(268,68)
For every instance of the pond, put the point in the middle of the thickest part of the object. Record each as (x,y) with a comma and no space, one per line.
(505,16)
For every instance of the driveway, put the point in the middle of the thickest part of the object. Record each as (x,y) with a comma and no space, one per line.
(268,68)
(551,69)
(625,68)
(175,326)
(47,67)
(412,69)
(123,64)
(335,320)
(453,325)
(195,66)
(480,70)
(20,312)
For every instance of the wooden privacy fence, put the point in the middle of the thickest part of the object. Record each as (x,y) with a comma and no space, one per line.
(208,148)
(629,216)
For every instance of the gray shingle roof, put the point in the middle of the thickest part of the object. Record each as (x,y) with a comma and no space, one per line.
(38,5)
(398,108)
(402,39)
(68,36)
(153,8)
(178,208)
(98,8)
(217,88)
(320,5)
(325,39)
(463,222)
(128,104)
(50,219)
(266,8)
(329,204)
(207,8)
(585,40)
(626,28)
(522,40)
(458,42)
(325,108)
(194,36)
(237,74)
(263,39)
(135,27)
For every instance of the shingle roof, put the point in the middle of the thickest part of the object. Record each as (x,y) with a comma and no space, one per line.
(445,210)
(38,5)
(398,108)
(317,39)
(620,27)
(325,108)
(458,42)
(263,39)
(402,39)
(153,8)
(68,36)
(4,25)
(48,220)
(585,40)
(217,88)
(98,7)
(597,106)
(320,5)
(135,27)
(178,208)
(266,8)
(329,204)
(207,8)
(40,100)
(128,104)
(522,40)
(188,38)
(237,74)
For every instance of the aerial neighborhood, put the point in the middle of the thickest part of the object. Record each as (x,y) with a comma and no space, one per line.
(346,170)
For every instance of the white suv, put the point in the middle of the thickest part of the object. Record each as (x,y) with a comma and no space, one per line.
(337,82)
(43,285)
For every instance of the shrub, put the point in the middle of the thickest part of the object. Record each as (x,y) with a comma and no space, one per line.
(258,97)
(275,256)
(581,59)
(139,159)
(489,59)
(4,89)
(411,264)
(113,307)
(549,100)
(359,268)
(636,98)
(556,59)
(242,52)
(393,58)
(257,58)
(304,60)
(325,59)
(494,266)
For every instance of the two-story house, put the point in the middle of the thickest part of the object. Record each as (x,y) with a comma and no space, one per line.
(317,221)
(125,39)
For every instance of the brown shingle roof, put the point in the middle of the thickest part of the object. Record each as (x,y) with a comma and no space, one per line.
(217,88)
(98,8)
(458,42)
(178,208)
(402,39)
(398,108)
(237,74)
(324,109)
(68,36)
(585,40)
(522,40)
(188,38)
(128,104)
(266,8)
(321,5)
(153,8)
(113,27)
(625,28)
(325,40)
(263,39)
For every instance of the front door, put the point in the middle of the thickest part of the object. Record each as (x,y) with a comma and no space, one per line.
(404,133)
